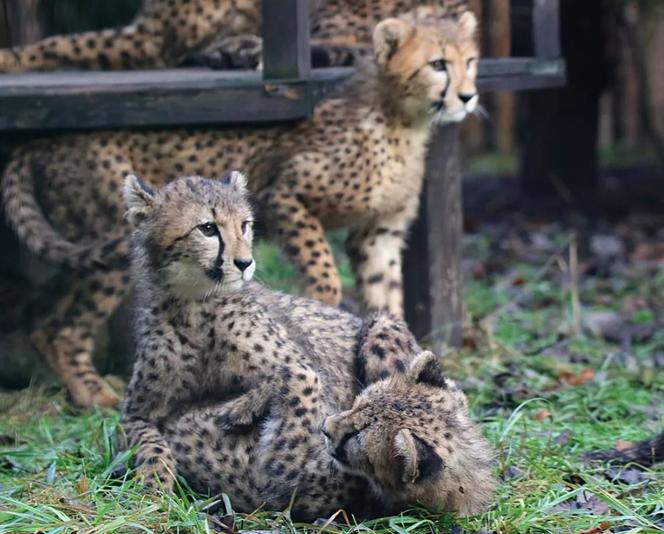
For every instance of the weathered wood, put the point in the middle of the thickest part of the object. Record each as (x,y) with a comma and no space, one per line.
(177,97)
(546,29)
(536,28)
(82,100)
(286,47)
(24,24)
(433,280)
(560,157)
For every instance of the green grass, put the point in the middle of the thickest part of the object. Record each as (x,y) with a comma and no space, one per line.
(57,463)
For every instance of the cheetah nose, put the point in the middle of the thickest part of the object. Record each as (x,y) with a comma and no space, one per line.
(243,264)
(465,98)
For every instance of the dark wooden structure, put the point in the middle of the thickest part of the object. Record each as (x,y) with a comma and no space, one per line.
(560,156)
(287,90)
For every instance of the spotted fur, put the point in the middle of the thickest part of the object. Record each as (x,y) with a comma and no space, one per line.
(165,32)
(233,381)
(358,163)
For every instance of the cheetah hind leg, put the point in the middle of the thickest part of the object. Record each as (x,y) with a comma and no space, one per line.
(303,237)
(66,338)
(386,347)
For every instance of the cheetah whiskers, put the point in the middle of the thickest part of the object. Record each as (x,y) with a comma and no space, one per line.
(481,112)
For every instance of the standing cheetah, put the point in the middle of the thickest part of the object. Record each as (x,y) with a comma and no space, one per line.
(289,365)
(165,32)
(357,163)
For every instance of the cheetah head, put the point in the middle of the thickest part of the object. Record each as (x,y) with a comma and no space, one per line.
(412,437)
(194,233)
(428,68)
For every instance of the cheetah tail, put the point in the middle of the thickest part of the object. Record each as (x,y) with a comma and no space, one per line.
(36,233)
(645,453)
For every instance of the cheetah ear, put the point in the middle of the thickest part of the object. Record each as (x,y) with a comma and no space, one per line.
(419,462)
(468,23)
(388,37)
(139,198)
(427,369)
(236,180)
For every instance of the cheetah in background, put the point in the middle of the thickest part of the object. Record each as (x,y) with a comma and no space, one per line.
(165,32)
(289,365)
(358,163)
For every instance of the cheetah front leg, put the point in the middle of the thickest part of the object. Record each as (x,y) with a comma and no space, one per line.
(128,47)
(303,238)
(66,338)
(375,253)
(154,393)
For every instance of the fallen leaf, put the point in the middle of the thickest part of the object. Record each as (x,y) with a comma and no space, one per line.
(577,379)
(606,245)
(563,438)
(648,252)
(82,485)
(622,445)
(627,475)
(602,527)
(606,324)
(542,415)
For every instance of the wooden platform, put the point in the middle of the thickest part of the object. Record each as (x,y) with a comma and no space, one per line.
(176,97)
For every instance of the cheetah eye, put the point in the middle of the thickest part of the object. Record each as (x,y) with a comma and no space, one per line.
(246,226)
(439,65)
(208,229)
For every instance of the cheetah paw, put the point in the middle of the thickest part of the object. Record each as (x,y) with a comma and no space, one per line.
(9,61)
(93,392)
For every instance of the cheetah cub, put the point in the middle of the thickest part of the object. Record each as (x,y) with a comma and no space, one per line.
(405,441)
(204,332)
(233,381)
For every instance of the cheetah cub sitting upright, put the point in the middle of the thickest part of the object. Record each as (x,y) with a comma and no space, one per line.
(233,381)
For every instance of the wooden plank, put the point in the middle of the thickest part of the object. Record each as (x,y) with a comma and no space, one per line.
(24,26)
(433,279)
(546,29)
(560,159)
(84,100)
(536,28)
(175,97)
(286,35)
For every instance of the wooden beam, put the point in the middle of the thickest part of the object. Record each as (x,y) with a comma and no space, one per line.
(177,97)
(24,25)
(85,100)
(536,28)
(286,36)
(433,279)
(546,29)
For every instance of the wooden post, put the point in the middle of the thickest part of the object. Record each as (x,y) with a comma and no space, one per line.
(561,131)
(24,24)
(433,280)
(19,24)
(535,28)
(286,41)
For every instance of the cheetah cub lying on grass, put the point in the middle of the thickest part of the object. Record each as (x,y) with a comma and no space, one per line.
(233,381)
